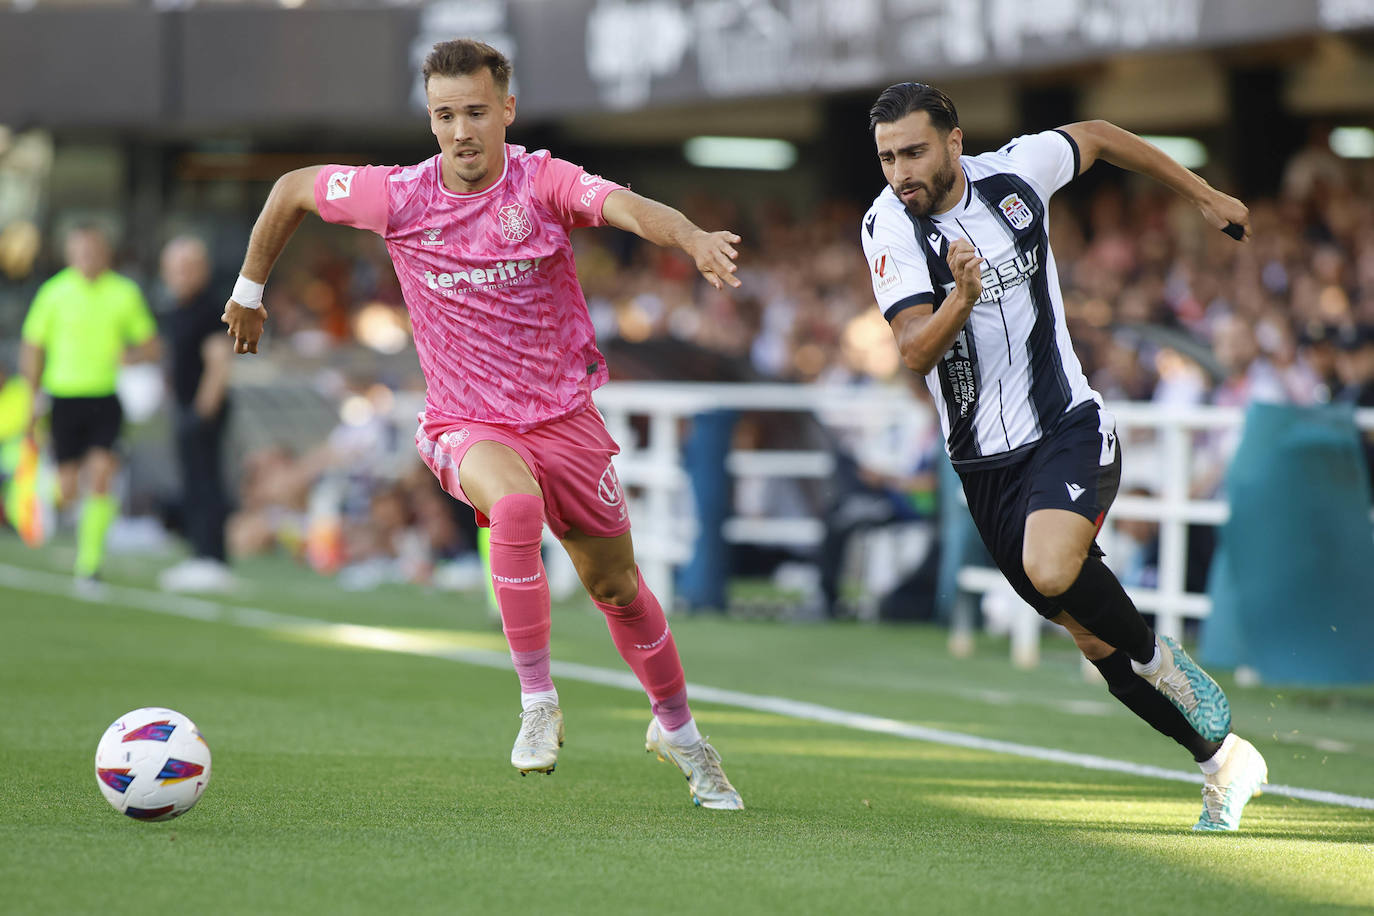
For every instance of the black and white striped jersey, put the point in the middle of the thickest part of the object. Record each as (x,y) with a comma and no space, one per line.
(1012,372)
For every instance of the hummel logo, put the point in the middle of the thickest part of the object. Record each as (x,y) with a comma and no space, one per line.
(1075,491)
(870,223)
(431,237)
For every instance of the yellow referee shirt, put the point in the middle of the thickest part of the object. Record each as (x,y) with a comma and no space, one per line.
(83,327)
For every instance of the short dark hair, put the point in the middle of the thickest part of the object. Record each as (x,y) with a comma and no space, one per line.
(465,56)
(901,99)
(87,227)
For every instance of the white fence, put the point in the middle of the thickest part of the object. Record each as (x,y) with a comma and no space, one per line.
(665,526)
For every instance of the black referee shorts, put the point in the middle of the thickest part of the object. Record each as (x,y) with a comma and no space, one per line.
(82,424)
(1076,467)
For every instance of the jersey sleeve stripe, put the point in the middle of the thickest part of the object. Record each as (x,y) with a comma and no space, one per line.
(919,299)
(1077,163)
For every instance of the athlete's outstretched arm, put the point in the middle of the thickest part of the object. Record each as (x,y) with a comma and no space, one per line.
(652,221)
(292,197)
(1104,140)
(924,336)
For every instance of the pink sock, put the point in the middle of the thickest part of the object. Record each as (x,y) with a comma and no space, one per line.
(641,635)
(522,590)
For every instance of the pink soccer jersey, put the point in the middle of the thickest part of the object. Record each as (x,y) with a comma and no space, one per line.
(500,323)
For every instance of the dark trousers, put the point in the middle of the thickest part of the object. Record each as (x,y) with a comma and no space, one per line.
(205,506)
(855,512)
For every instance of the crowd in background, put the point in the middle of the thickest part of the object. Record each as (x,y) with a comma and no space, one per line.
(1161,308)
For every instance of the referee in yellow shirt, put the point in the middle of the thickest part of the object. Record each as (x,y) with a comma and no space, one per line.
(83,322)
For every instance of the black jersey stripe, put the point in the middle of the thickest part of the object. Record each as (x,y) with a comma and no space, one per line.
(958,370)
(902,305)
(1050,391)
(1077,162)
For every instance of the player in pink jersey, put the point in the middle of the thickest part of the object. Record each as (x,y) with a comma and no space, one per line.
(479,238)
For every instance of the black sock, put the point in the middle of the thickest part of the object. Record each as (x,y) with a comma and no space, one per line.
(1097,601)
(1136,694)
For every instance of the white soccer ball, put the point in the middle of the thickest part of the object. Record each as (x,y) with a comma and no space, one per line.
(152,764)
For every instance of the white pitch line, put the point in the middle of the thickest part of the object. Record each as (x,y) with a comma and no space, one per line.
(389,640)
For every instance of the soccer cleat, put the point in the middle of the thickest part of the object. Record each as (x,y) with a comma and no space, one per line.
(197,574)
(541,735)
(90,587)
(700,763)
(1226,791)
(1191,689)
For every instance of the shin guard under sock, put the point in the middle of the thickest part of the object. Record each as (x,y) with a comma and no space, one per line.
(97,514)
(522,590)
(641,635)
(1097,601)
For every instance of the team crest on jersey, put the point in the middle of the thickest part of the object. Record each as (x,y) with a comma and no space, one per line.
(515,225)
(340,185)
(1016,211)
(884,270)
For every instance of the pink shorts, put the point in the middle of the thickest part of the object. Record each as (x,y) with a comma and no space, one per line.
(570,460)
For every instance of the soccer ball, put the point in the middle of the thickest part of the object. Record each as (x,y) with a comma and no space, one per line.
(152,764)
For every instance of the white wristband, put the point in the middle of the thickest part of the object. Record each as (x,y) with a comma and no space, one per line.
(247,293)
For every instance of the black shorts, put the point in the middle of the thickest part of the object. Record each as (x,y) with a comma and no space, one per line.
(1076,466)
(82,424)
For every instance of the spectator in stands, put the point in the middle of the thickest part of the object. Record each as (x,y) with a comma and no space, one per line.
(272,503)
(1250,376)
(1357,372)
(1138,562)
(1315,169)
(1317,352)
(891,478)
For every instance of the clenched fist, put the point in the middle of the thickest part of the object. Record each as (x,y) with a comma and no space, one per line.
(245,325)
(968,270)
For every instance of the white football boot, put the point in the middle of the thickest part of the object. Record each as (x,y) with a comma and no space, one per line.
(540,737)
(1190,689)
(1227,790)
(700,764)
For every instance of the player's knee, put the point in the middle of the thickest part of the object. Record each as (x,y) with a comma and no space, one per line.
(615,587)
(1051,572)
(100,468)
(517,519)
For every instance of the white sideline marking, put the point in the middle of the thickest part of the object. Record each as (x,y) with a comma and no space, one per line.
(387,640)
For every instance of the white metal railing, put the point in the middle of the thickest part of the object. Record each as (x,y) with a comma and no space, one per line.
(664,523)
(665,527)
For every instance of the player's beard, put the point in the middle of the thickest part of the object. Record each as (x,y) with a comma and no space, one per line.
(941,183)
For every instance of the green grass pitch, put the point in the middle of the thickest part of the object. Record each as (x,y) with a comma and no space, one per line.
(359,780)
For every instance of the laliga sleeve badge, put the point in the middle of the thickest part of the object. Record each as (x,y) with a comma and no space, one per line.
(884,269)
(340,185)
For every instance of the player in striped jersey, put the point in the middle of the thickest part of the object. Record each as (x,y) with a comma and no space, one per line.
(958,252)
